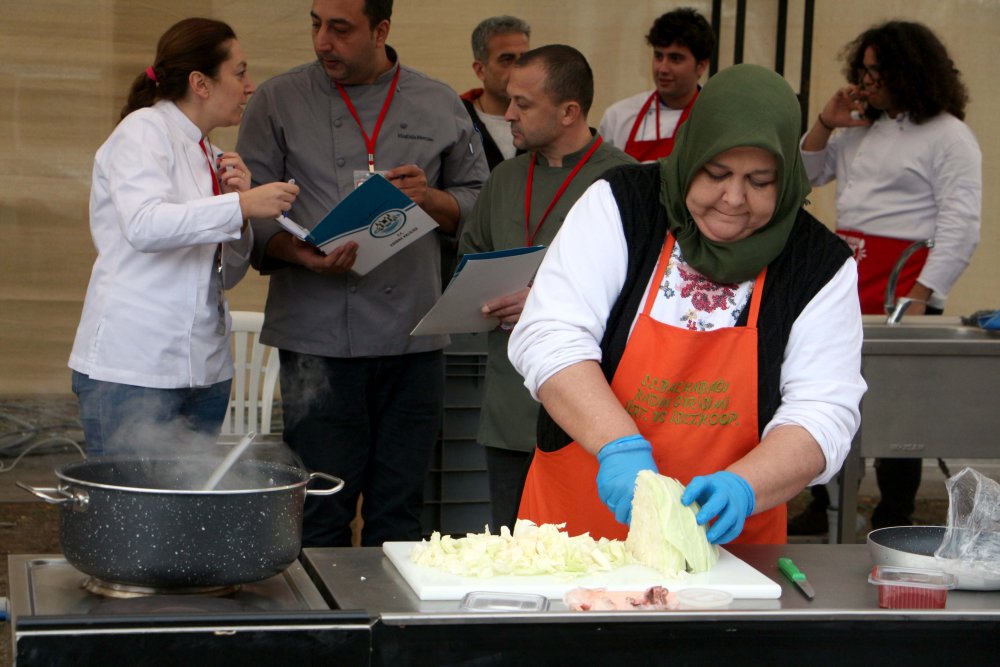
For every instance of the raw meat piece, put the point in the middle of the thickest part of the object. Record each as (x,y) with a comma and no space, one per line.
(656,598)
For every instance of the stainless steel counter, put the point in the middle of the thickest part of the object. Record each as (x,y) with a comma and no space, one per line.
(841,625)
(364,579)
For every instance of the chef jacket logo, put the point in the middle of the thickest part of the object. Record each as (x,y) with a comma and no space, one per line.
(388,223)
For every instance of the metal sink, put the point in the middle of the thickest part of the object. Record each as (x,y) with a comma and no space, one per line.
(931,390)
(926,333)
(932,393)
(925,338)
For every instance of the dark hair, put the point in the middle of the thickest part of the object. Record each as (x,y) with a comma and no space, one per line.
(567,74)
(191,45)
(490,28)
(915,69)
(684,27)
(378,11)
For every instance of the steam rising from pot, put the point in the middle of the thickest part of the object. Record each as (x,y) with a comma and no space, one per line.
(175,454)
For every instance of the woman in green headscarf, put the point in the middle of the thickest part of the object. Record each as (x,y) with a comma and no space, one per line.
(692,319)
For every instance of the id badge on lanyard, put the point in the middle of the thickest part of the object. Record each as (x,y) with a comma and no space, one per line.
(362,175)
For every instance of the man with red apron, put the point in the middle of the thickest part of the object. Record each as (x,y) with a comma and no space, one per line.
(649,150)
(721,364)
(682,42)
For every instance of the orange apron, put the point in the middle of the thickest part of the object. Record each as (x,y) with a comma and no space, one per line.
(876,255)
(647,151)
(693,396)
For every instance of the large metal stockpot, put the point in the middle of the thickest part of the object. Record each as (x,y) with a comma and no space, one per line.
(142,522)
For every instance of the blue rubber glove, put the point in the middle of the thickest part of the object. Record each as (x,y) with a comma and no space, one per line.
(621,460)
(725,497)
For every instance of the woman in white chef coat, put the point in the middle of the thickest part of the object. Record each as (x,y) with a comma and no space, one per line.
(168,214)
(692,319)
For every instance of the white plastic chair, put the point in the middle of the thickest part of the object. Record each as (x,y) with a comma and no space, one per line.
(254,379)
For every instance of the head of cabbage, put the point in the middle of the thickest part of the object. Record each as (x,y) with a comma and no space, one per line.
(664,533)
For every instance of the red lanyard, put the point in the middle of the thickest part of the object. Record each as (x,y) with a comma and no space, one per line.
(529,236)
(211,168)
(654,99)
(370,140)
(657,103)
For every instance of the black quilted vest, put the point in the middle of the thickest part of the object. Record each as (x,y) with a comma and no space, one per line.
(810,259)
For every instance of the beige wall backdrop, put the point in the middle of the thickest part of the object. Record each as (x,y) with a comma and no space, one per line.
(65,66)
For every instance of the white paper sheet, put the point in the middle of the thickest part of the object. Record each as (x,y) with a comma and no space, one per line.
(480,278)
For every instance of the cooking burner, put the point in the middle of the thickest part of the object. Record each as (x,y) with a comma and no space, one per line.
(50,586)
(59,617)
(171,604)
(123,591)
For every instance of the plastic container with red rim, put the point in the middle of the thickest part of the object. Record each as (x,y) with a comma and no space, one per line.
(911,588)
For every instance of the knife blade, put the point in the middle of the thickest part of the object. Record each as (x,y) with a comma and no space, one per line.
(796,576)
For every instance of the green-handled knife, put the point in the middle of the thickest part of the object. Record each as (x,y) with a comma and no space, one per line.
(796,576)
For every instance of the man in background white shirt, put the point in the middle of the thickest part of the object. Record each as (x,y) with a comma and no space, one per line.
(644,125)
(907,170)
(497,43)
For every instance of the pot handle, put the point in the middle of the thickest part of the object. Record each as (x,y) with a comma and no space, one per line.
(78,499)
(338,484)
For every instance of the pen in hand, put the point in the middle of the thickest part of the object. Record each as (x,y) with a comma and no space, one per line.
(282,216)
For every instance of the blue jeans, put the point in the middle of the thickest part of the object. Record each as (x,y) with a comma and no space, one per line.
(125,419)
(372,422)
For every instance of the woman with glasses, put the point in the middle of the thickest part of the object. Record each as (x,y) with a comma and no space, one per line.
(907,169)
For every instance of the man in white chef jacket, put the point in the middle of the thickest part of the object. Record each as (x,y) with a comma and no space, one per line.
(907,170)
(497,43)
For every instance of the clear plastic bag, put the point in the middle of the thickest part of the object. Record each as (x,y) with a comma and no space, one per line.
(971,544)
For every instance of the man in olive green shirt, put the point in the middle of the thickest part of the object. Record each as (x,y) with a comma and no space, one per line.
(551,89)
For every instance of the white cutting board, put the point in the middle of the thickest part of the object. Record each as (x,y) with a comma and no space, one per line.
(730,574)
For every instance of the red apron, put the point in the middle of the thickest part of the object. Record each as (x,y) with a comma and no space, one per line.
(696,404)
(876,255)
(646,151)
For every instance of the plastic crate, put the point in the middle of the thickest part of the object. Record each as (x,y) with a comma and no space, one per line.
(464,486)
(460,423)
(462,454)
(464,383)
(456,491)
(469,343)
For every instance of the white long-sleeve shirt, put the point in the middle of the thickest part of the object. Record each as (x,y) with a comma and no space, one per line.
(579,281)
(907,181)
(151,310)
(618,119)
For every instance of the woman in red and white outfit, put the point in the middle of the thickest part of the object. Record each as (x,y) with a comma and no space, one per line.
(907,169)
(684,320)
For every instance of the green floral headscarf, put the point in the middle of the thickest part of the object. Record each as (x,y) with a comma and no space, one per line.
(744,105)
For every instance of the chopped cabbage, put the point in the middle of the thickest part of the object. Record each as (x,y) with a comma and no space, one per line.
(664,533)
(530,549)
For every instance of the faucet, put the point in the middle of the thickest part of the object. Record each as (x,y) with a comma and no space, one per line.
(894,309)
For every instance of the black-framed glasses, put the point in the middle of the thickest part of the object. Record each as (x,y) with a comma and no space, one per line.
(871,72)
